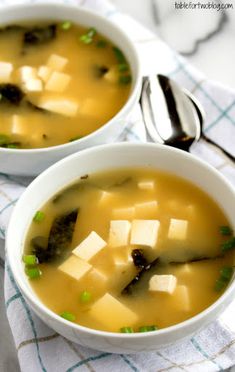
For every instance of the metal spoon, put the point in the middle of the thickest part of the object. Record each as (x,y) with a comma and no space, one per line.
(172,115)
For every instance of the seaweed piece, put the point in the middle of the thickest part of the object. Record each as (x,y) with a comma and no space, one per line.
(100,70)
(32,106)
(130,287)
(60,237)
(84,177)
(39,35)
(12,28)
(138,258)
(11,93)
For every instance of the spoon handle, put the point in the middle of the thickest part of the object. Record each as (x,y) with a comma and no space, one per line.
(208,140)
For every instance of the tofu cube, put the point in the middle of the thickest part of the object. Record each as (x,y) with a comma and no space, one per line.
(163,283)
(119,233)
(44,72)
(90,246)
(18,125)
(144,232)
(56,62)
(27,73)
(112,314)
(99,277)
(57,82)
(120,213)
(146,208)
(60,106)
(146,185)
(75,267)
(122,260)
(112,75)
(33,85)
(182,299)
(6,69)
(178,229)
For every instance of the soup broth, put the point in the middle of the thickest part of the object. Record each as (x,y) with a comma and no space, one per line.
(58,82)
(116,248)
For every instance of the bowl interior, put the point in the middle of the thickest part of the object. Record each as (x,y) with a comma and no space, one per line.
(104,158)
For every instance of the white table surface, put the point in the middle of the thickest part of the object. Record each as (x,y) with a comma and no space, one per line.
(215,56)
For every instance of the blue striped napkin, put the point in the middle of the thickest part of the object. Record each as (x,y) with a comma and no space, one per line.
(212,349)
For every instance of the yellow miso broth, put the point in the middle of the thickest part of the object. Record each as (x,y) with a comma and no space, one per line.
(58,82)
(116,248)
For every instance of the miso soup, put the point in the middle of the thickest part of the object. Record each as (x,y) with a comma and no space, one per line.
(114,249)
(58,82)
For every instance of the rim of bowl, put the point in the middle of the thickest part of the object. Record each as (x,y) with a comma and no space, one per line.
(22,280)
(135,85)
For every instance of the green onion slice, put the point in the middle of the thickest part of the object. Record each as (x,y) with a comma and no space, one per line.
(228,245)
(226,273)
(39,216)
(148,328)
(30,259)
(33,273)
(126,330)
(119,55)
(125,79)
(122,67)
(68,316)
(85,296)
(101,44)
(225,230)
(66,25)
(4,139)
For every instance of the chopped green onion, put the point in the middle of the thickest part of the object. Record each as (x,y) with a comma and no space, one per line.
(12,146)
(86,39)
(126,79)
(119,55)
(225,230)
(127,330)
(148,328)
(68,316)
(75,138)
(228,245)
(33,273)
(101,44)
(66,25)
(220,284)
(85,296)
(91,32)
(4,139)
(226,273)
(39,216)
(122,67)
(30,259)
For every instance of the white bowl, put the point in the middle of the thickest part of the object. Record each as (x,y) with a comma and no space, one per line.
(99,159)
(34,161)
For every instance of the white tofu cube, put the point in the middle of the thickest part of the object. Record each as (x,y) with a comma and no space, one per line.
(27,73)
(60,106)
(145,232)
(121,213)
(44,72)
(177,229)
(146,185)
(119,233)
(146,208)
(112,314)
(75,267)
(18,125)
(57,82)
(99,277)
(56,62)
(112,75)
(6,69)
(182,298)
(121,260)
(163,283)
(90,246)
(33,85)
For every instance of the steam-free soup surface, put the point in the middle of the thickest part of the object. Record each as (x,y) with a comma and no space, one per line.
(185,251)
(66,82)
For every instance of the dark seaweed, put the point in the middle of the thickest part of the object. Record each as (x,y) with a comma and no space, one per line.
(130,287)
(138,258)
(60,237)
(12,28)
(34,107)
(39,35)
(100,71)
(11,93)
(84,177)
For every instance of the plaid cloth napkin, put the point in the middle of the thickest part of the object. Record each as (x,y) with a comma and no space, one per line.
(213,348)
